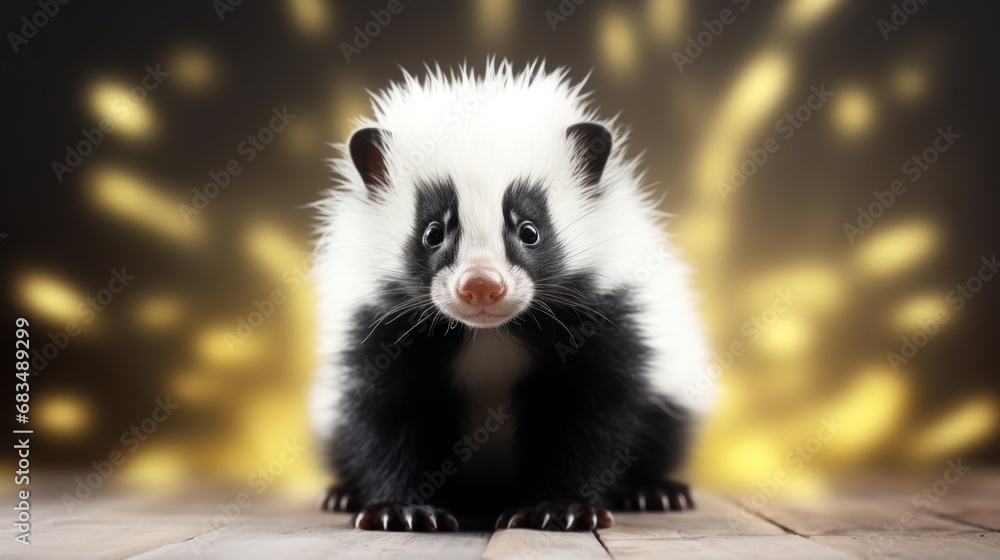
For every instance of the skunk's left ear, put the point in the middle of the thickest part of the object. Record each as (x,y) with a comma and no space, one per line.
(367,147)
(592,143)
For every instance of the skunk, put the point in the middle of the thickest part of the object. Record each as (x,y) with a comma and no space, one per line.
(505,332)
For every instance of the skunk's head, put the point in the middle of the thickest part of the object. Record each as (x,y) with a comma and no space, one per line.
(480,247)
(478,198)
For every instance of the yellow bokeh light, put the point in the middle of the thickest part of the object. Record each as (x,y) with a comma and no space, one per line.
(666,19)
(968,424)
(150,465)
(908,315)
(869,410)
(494,18)
(801,13)
(273,249)
(193,69)
(701,232)
(909,82)
(895,248)
(791,334)
(854,111)
(140,202)
(311,17)
(758,455)
(159,312)
(196,387)
(747,104)
(618,42)
(222,345)
(62,415)
(118,103)
(816,286)
(49,296)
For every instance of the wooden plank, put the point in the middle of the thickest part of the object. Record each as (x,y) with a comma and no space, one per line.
(981,512)
(74,539)
(714,517)
(854,516)
(321,539)
(528,543)
(791,547)
(983,544)
(975,500)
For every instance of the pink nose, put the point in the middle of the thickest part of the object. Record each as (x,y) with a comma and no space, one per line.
(481,287)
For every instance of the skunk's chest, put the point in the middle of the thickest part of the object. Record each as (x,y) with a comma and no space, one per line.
(485,372)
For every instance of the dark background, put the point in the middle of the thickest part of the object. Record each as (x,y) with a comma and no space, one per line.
(164,335)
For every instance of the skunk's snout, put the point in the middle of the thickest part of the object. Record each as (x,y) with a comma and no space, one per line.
(481,286)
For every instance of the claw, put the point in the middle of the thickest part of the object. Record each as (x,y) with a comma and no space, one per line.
(560,516)
(605,519)
(450,523)
(570,518)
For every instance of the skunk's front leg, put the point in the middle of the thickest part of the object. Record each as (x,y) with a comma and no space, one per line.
(399,421)
(577,422)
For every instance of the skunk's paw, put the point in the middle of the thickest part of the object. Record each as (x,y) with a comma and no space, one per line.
(338,498)
(405,517)
(557,516)
(660,496)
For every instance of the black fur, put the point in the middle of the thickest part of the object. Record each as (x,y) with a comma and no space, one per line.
(587,429)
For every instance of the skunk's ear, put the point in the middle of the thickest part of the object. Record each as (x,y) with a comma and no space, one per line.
(592,143)
(367,147)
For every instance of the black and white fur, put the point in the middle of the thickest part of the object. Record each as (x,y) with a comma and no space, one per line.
(595,351)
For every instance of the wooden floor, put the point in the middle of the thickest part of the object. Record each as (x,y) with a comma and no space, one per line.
(872,521)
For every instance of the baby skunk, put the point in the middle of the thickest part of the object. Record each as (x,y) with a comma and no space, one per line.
(505,333)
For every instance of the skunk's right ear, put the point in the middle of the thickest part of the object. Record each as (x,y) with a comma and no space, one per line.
(592,143)
(367,147)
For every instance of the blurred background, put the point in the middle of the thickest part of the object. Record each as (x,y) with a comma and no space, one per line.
(839,276)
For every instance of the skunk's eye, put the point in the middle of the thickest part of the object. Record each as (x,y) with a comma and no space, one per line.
(433,235)
(528,233)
